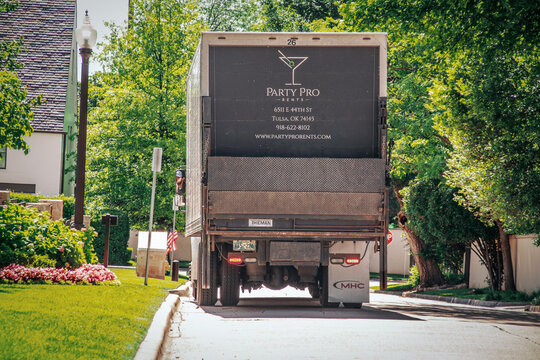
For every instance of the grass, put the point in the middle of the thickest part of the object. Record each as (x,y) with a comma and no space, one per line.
(488,294)
(78,322)
(395,287)
(393,277)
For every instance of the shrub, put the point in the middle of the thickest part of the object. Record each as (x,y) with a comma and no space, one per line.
(43,261)
(27,236)
(535,298)
(119,254)
(414,276)
(454,279)
(69,202)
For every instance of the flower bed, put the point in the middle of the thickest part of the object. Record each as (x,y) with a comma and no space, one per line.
(86,274)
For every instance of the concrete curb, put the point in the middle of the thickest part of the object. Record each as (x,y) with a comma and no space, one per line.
(150,348)
(532,308)
(453,300)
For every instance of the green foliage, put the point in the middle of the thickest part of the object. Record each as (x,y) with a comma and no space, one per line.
(28,236)
(230,15)
(507,296)
(479,62)
(79,322)
(279,16)
(8,5)
(43,261)
(454,278)
(414,276)
(68,207)
(139,104)
(488,294)
(15,105)
(119,254)
(463,101)
(445,226)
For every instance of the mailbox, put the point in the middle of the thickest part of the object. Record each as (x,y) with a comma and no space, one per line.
(109,219)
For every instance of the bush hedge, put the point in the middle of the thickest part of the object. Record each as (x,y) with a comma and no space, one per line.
(119,254)
(69,202)
(29,237)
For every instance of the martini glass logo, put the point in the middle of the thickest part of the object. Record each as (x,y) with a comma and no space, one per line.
(293,62)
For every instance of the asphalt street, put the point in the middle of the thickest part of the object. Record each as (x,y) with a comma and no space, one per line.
(288,324)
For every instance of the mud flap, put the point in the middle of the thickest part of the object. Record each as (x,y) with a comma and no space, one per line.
(348,283)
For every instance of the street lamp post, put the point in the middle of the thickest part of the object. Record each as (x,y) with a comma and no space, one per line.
(86,37)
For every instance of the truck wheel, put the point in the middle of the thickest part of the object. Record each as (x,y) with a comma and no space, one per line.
(207,297)
(314,291)
(230,284)
(353,305)
(324,290)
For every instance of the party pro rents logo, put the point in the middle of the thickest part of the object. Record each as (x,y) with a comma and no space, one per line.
(293,62)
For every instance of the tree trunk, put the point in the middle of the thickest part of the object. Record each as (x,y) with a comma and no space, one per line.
(508,270)
(428,269)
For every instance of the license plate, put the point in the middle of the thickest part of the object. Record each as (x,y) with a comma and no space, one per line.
(260,223)
(244,245)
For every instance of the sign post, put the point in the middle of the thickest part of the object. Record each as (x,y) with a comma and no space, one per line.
(175,208)
(156,167)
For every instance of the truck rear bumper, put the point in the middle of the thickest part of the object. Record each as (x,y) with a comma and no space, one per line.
(296,234)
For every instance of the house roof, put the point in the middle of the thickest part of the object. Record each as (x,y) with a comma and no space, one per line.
(47,27)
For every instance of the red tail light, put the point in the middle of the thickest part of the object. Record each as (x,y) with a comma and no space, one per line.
(352,261)
(235,260)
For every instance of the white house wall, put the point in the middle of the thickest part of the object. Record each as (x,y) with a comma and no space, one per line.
(42,165)
(398,256)
(526,261)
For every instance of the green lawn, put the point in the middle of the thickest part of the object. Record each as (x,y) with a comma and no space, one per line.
(488,294)
(395,287)
(396,277)
(78,321)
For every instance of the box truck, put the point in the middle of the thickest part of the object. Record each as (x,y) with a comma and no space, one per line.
(286,163)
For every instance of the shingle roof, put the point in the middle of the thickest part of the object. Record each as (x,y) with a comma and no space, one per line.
(47,27)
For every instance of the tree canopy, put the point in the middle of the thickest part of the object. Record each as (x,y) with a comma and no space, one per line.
(138,103)
(15,104)
(463,103)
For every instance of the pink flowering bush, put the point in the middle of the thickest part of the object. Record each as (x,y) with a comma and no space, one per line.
(86,274)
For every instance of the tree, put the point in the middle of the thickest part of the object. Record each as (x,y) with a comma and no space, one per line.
(479,62)
(230,15)
(446,227)
(419,152)
(488,93)
(15,104)
(138,104)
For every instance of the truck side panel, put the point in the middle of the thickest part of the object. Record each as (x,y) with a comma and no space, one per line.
(194,148)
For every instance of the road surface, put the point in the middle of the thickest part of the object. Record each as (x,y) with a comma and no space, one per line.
(288,324)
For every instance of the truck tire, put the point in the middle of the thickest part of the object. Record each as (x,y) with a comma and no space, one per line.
(230,284)
(194,287)
(314,291)
(207,297)
(324,290)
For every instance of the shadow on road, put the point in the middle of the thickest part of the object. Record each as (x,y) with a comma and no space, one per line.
(466,313)
(300,308)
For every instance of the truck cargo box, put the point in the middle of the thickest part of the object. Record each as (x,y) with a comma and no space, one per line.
(288,127)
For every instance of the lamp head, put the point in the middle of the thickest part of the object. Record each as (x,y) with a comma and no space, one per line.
(86,35)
